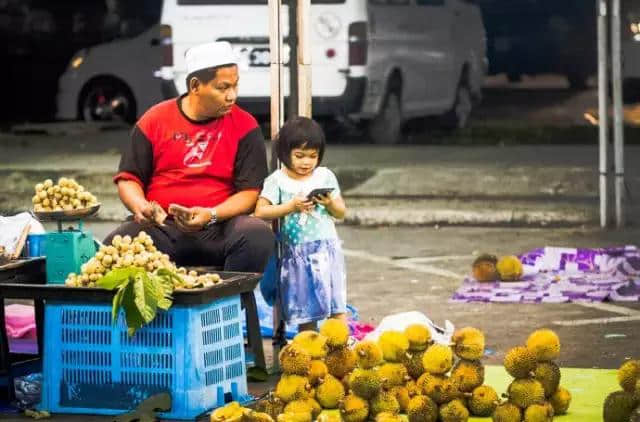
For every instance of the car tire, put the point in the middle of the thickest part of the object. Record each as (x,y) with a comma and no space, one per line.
(458,116)
(386,127)
(577,81)
(107,100)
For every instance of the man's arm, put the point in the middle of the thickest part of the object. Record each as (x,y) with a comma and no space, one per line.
(132,196)
(240,203)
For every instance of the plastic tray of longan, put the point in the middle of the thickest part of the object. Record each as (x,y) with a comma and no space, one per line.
(67,215)
(232,283)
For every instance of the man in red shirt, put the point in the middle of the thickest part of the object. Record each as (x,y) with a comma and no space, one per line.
(203,152)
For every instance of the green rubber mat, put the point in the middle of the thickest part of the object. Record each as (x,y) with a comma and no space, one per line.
(588,388)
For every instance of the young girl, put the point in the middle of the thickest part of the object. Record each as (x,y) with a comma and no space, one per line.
(312,281)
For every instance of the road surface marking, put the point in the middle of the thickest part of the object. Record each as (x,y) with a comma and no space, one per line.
(591,321)
(427,269)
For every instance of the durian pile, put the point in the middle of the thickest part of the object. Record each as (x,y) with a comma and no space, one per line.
(624,405)
(535,393)
(66,195)
(139,251)
(487,268)
(402,373)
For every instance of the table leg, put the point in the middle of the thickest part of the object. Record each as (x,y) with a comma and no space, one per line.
(254,336)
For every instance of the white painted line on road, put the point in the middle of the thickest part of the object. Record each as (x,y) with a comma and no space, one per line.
(592,321)
(610,308)
(437,258)
(427,269)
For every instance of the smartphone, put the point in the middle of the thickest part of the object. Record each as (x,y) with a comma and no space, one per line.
(180,212)
(317,192)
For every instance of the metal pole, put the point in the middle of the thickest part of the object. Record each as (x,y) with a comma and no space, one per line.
(292,106)
(618,124)
(304,58)
(277,120)
(603,99)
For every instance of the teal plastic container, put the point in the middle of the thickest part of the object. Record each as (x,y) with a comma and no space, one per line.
(66,252)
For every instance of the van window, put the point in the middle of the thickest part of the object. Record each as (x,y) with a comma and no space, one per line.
(238,2)
(430,2)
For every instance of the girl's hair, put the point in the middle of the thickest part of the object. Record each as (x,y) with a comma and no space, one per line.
(299,132)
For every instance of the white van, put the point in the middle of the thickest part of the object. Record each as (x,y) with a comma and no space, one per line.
(377,61)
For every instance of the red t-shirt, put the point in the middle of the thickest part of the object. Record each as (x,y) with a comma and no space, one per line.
(194,163)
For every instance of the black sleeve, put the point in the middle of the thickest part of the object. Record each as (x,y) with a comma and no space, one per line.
(137,158)
(250,167)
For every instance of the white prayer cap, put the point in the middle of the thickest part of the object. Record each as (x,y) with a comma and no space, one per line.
(208,55)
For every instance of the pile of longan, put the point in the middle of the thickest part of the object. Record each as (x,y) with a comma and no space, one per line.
(139,251)
(66,195)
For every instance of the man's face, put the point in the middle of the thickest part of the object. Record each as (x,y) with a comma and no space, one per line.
(216,98)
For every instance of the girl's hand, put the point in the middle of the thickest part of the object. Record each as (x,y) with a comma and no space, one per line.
(300,203)
(325,200)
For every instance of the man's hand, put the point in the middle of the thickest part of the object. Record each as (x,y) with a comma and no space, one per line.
(143,214)
(300,203)
(199,218)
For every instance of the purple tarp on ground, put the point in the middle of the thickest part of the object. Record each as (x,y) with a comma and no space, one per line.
(556,275)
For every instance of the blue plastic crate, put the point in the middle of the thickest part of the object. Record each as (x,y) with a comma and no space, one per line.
(194,352)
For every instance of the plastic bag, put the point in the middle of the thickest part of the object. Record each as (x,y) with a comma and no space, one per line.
(399,322)
(11,228)
(27,390)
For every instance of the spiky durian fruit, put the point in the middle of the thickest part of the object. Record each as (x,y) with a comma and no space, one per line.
(385,401)
(272,405)
(368,354)
(340,361)
(294,417)
(413,389)
(544,344)
(366,383)
(509,268)
(329,416)
(317,371)
(484,268)
(629,375)
(330,392)
(445,392)
(388,417)
(413,362)
(635,415)
(467,374)
(538,413)
(314,343)
(418,336)
(520,362)
(427,383)
(468,343)
(392,374)
(394,345)
(548,373)
(402,395)
(483,401)
(422,409)
(618,407)
(454,411)
(336,331)
(294,360)
(437,359)
(354,409)
(560,400)
(308,405)
(232,412)
(507,412)
(292,387)
(525,392)
(253,416)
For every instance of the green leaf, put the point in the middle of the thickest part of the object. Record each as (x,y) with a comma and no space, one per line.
(145,296)
(117,302)
(115,278)
(132,314)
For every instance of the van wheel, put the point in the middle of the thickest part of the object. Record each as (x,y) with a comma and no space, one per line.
(458,116)
(107,100)
(386,127)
